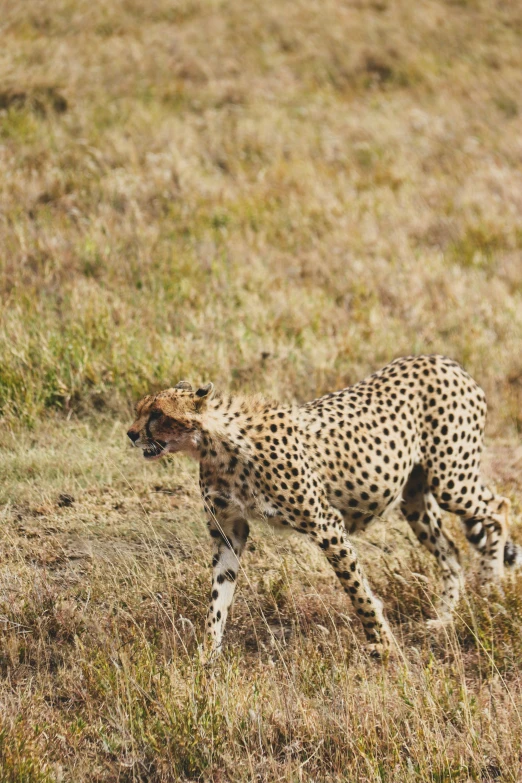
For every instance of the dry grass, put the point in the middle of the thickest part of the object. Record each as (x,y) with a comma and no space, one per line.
(103,591)
(272,196)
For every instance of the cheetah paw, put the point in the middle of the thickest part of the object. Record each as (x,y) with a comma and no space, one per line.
(377,651)
(208,657)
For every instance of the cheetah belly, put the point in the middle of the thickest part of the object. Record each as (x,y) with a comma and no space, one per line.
(273,517)
(264,511)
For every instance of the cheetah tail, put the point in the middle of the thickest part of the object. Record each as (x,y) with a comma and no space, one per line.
(512,554)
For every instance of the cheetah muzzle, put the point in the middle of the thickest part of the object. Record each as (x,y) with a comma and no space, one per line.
(156,449)
(410,435)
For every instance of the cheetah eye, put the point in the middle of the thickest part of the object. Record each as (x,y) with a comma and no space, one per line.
(155,415)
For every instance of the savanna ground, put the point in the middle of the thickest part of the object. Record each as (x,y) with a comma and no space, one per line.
(277,197)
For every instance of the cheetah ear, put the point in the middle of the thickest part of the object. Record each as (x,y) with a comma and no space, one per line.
(204,394)
(183,385)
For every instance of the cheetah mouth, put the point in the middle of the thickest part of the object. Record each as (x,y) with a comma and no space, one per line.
(155,449)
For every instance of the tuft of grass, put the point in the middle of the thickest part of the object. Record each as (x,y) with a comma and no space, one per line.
(19,759)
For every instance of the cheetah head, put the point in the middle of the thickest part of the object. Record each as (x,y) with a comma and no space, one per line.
(169,421)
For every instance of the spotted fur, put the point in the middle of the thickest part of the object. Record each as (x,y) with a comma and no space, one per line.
(411,434)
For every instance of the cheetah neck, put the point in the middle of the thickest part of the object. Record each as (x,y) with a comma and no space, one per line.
(227,428)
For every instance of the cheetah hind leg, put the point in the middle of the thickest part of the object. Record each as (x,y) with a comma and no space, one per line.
(496,527)
(487,528)
(421,511)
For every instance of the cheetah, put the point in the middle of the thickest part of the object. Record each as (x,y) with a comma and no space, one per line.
(410,435)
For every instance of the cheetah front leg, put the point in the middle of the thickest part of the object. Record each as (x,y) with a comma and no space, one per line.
(228,545)
(329,533)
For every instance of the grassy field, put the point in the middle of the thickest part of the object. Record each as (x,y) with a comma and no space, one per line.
(277,197)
